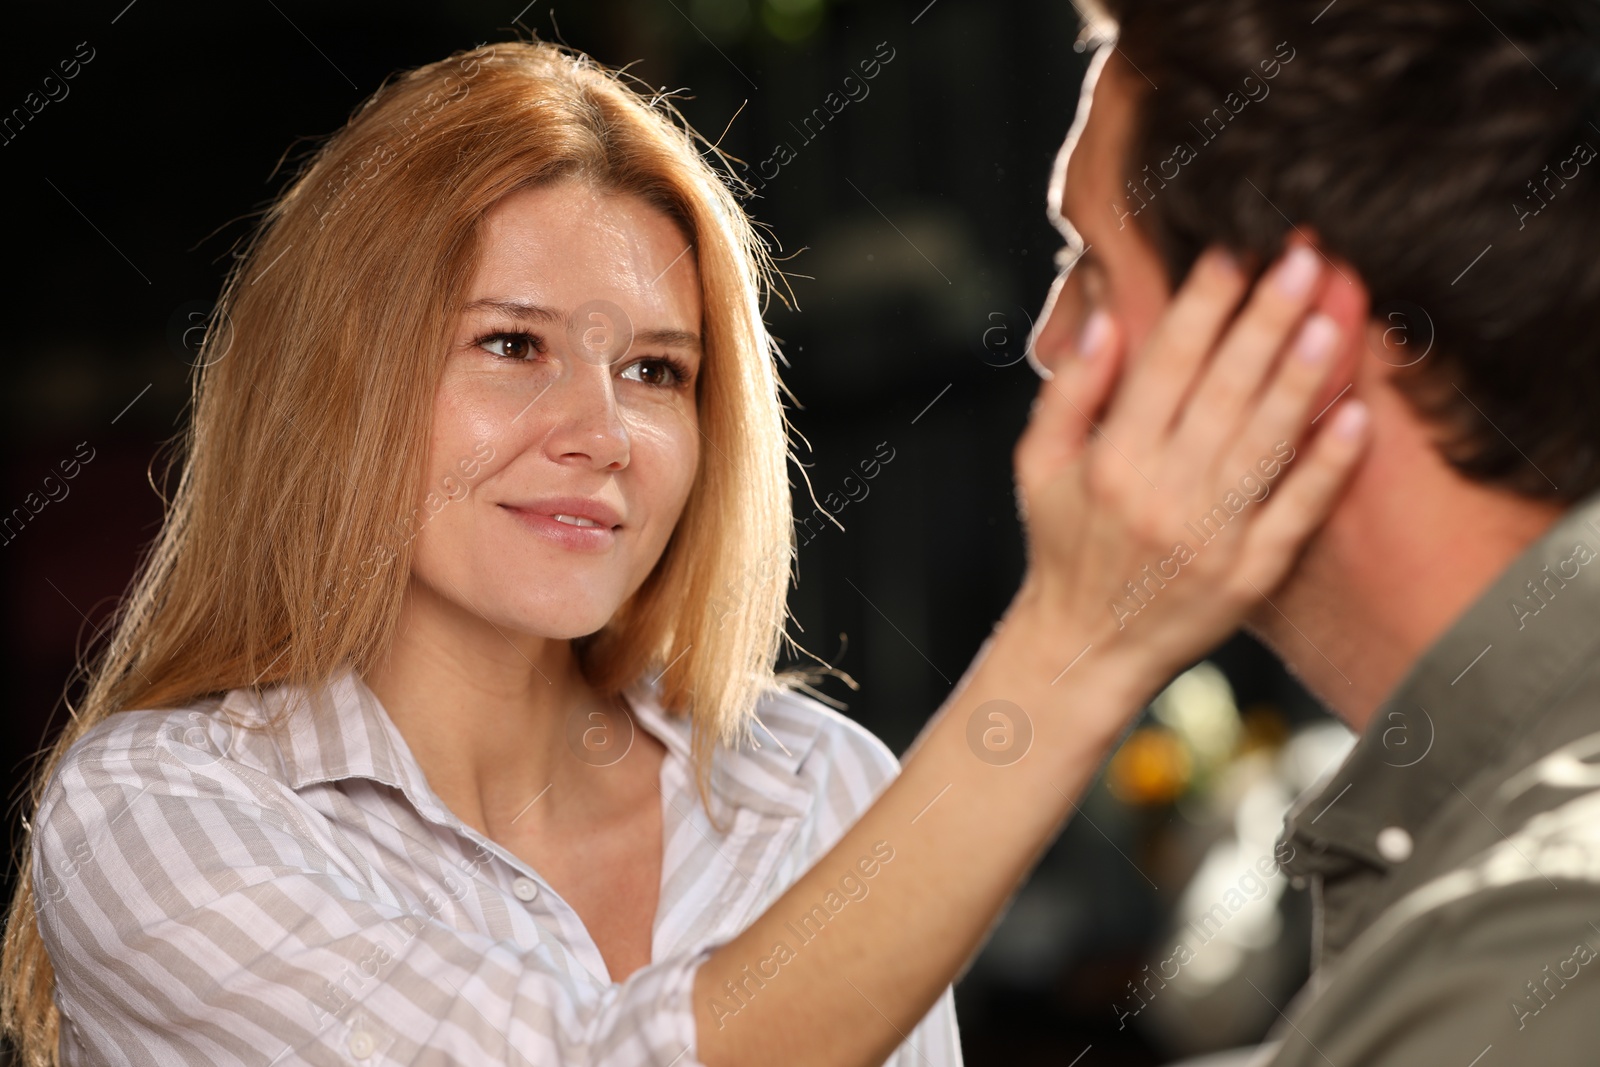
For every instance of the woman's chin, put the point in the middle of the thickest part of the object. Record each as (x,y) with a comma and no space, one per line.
(530,605)
(569,621)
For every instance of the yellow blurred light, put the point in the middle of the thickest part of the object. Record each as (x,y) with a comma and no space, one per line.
(1151,767)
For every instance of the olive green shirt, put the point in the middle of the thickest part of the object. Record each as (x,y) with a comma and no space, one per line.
(1454,857)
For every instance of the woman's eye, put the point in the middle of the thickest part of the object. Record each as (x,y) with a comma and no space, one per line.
(660,372)
(514,346)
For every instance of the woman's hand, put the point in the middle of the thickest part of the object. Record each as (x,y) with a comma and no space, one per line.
(1109,485)
(1160,510)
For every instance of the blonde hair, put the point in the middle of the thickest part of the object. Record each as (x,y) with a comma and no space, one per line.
(313,380)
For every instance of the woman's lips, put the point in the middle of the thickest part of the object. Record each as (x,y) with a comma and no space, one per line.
(576,538)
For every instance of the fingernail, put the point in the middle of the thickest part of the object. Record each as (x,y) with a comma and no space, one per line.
(1316,338)
(1226,260)
(1094,333)
(1297,272)
(1350,420)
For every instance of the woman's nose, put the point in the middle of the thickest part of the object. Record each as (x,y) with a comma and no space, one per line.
(587,422)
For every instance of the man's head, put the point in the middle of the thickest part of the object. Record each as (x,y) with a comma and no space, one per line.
(1450,152)
(1441,156)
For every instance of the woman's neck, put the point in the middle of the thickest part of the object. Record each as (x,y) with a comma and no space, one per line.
(487,713)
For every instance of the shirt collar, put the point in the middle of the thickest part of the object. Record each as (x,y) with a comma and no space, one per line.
(341,730)
(762,770)
(1462,703)
(335,731)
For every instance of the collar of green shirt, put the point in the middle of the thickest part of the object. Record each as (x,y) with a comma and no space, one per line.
(1490,675)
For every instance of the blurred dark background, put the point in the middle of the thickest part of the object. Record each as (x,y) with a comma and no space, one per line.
(915,222)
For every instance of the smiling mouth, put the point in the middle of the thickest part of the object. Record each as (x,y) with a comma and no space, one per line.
(577,533)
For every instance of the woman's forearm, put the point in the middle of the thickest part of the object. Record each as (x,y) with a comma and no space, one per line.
(949,841)
(940,852)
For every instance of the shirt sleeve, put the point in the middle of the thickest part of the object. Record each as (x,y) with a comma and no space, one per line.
(1508,975)
(935,1042)
(193,918)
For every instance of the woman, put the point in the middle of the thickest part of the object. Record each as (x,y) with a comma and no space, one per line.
(447,746)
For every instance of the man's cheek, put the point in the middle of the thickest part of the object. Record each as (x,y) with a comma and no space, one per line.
(1136,321)
(1137,293)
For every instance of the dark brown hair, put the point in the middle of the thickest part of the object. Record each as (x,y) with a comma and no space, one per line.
(1445,149)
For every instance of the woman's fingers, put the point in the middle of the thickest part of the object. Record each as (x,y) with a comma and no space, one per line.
(1151,526)
(1280,416)
(1244,358)
(1287,517)
(1070,402)
(1174,355)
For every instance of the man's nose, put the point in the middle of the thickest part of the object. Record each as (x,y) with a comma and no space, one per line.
(1055,335)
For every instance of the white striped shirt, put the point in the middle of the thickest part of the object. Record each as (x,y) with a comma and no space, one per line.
(216,891)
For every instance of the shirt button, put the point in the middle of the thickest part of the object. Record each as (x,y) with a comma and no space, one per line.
(525,888)
(362,1045)
(1394,844)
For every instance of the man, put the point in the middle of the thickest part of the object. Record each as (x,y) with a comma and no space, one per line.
(1441,156)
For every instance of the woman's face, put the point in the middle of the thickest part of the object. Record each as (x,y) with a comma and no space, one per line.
(565,436)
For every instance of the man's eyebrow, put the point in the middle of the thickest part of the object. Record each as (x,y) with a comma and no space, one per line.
(544,316)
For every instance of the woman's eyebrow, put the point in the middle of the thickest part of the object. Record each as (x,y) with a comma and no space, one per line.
(518,310)
(668,338)
(536,313)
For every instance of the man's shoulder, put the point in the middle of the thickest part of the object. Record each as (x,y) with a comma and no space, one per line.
(1499,950)
(1510,966)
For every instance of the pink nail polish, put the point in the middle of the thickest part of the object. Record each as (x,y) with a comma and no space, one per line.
(1094,333)
(1316,338)
(1297,272)
(1351,419)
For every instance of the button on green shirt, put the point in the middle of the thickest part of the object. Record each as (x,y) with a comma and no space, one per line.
(1454,857)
